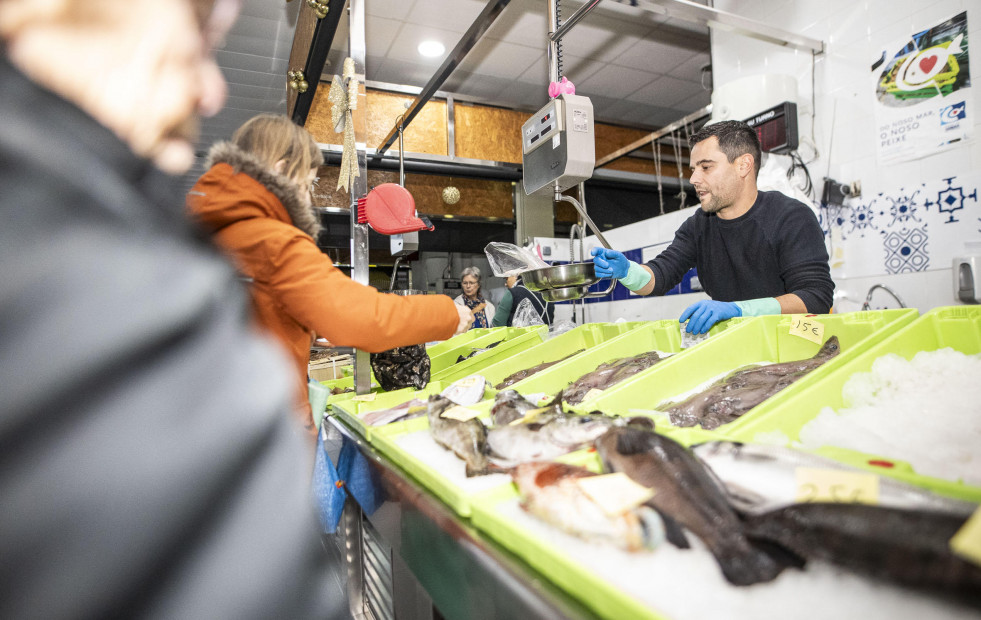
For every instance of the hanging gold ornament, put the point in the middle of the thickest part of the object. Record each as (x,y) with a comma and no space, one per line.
(451,195)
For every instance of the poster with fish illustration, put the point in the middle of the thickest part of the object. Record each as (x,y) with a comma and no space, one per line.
(923,93)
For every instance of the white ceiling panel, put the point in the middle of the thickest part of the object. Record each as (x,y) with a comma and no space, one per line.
(648,50)
(456,16)
(616,80)
(392,9)
(665,92)
(500,59)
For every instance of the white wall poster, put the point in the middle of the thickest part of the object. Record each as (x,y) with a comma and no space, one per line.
(923,93)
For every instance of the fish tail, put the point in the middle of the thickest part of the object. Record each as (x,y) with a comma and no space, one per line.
(747,564)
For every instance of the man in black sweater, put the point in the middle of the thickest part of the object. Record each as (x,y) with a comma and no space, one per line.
(756,252)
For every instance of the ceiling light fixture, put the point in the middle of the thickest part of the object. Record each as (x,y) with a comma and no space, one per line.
(431,49)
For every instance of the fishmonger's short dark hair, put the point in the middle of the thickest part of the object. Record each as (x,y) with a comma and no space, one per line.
(735,138)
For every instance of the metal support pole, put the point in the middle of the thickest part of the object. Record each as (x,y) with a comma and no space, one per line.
(557,34)
(359,184)
(553,46)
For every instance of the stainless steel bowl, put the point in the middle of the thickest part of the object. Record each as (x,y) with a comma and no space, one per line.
(565,293)
(571,275)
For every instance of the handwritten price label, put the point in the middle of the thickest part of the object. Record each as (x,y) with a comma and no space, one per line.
(807,328)
(830,485)
(967,541)
(460,413)
(364,398)
(615,493)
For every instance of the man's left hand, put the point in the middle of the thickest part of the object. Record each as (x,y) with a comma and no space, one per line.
(701,316)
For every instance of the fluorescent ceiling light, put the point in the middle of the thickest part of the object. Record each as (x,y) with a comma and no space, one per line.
(431,49)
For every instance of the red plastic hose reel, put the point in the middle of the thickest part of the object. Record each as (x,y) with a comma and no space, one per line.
(390,210)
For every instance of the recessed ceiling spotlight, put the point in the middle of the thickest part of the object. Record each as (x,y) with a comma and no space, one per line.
(431,49)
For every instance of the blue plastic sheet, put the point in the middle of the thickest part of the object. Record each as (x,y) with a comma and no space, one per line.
(328,490)
(359,478)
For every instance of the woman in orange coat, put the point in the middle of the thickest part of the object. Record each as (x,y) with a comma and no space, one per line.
(255,199)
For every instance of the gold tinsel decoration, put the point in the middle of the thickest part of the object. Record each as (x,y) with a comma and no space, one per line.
(343,100)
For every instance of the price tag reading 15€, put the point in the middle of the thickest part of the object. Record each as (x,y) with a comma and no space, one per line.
(806,327)
(832,485)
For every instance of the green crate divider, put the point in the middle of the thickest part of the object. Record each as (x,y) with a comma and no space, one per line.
(958,327)
(654,335)
(459,340)
(500,352)
(447,358)
(760,339)
(583,337)
(580,581)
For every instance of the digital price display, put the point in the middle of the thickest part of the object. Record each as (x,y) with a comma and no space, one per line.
(776,128)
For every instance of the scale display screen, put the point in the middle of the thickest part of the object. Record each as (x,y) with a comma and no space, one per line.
(776,128)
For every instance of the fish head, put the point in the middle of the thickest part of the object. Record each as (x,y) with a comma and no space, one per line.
(830,348)
(436,406)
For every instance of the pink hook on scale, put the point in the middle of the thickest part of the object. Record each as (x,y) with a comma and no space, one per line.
(557,88)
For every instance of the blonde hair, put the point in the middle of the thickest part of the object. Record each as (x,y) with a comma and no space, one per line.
(274,137)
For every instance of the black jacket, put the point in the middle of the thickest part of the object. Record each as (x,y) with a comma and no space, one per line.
(149,464)
(775,248)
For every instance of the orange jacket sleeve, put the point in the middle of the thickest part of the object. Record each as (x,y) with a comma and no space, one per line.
(319,296)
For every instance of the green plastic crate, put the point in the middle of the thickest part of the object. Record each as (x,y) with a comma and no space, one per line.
(517,343)
(583,337)
(654,335)
(445,354)
(760,339)
(958,327)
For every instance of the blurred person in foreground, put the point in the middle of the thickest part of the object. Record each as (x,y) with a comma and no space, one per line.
(756,252)
(149,467)
(256,200)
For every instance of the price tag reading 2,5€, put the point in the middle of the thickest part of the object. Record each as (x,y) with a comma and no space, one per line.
(832,485)
(808,328)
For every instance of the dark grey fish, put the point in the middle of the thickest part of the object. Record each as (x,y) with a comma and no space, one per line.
(527,372)
(467,439)
(608,374)
(473,352)
(686,494)
(910,547)
(743,389)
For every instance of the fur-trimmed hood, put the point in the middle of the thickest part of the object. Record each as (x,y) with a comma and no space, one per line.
(280,186)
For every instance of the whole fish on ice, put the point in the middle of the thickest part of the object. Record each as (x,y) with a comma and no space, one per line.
(467,439)
(609,374)
(686,494)
(743,389)
(910,547)
(760,478)
(550,492)
(527,372)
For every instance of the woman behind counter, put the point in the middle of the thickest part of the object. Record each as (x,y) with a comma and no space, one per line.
(472,299)
(255,199)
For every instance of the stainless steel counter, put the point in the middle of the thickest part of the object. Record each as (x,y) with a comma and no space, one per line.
(413,558)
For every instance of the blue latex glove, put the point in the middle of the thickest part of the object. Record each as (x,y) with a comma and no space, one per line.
(701,316)
(610,263)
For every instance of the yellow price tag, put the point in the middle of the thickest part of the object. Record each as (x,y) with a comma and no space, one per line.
(593,393)
(614,493)
(364,398)
(831,485)
(460,413)
(807,328)
(967,541)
